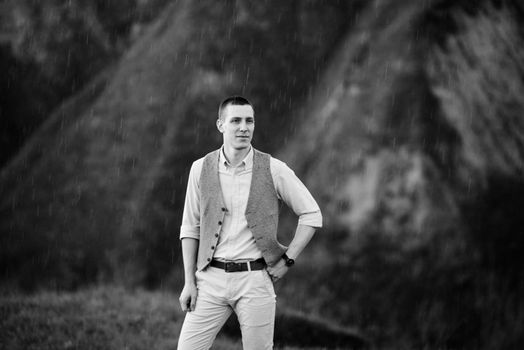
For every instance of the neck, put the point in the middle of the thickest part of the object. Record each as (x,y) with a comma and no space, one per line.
(235,156)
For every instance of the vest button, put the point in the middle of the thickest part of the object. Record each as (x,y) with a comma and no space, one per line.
(216,234)
(224,209)
(220,222)
(212,247)
(208,259)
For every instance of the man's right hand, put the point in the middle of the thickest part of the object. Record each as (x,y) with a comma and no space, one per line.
(188,297)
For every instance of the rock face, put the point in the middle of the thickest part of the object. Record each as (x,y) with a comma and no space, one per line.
(404,120)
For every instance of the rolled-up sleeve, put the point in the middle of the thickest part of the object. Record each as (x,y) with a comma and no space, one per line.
(295,194)
(190,227)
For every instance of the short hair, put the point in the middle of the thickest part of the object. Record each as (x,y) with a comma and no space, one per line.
(236,100)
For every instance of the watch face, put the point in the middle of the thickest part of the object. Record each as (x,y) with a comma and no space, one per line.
(287,260)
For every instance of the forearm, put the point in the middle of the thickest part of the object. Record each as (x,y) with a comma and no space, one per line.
(189,293)
(189,256)
(303,235)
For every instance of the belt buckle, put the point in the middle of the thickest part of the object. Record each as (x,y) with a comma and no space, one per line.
(233,266)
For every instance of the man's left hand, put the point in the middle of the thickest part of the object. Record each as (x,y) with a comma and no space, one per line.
(277,271)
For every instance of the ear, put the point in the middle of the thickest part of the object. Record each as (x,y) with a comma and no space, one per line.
(220,125)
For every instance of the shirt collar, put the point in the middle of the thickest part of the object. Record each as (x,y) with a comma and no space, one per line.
(247,162)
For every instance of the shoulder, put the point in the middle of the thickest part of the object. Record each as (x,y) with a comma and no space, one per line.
(279,168)
(196,171)
(197,164)
(277,163)
(196,167)
(200,162)
(210,155)
(274,162)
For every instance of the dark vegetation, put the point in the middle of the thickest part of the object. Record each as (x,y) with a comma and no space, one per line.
(298,330)
(50,50)
(101,318)
(404,120)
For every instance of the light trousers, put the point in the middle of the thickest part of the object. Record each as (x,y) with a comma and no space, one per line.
(249,294)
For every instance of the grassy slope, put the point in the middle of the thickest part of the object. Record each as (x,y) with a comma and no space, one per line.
(115,318)
(98,318)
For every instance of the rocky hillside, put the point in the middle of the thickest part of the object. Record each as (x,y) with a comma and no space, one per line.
(404,119)
(414,146)
(115,157)
(50,49)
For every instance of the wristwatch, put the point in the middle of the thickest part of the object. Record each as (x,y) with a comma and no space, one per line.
(289,262)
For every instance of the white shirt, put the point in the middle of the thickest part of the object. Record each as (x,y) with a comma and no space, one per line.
(236,240)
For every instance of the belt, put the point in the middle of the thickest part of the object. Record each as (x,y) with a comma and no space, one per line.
(231,266)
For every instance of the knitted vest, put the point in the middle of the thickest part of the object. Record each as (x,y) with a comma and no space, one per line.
(261,210)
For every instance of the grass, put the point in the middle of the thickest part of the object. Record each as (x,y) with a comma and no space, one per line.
(103,317)
(96,318)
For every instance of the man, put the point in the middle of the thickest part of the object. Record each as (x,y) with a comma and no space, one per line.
(230,251)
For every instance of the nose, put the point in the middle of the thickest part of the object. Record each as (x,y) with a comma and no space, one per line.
(243,125)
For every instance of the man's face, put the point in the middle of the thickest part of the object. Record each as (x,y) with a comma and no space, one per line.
(237,125)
